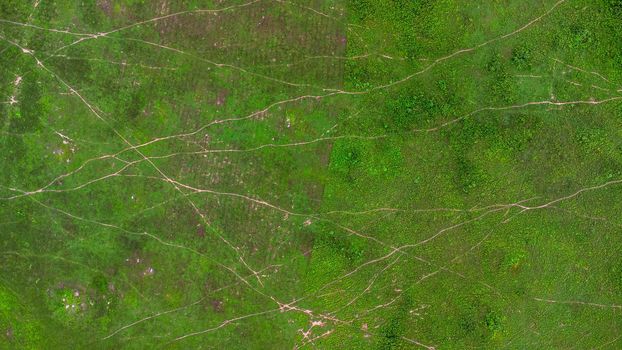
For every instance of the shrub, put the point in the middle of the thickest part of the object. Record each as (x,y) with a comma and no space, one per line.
(361,9)
(345,159)
(521,57)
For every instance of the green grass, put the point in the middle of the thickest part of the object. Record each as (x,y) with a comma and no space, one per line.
(337,174)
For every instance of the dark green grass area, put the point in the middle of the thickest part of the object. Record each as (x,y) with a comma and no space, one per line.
(331,174)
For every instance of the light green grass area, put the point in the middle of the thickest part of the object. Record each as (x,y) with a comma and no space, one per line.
(330,174)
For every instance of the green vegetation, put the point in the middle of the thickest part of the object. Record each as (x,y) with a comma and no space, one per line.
(331,174)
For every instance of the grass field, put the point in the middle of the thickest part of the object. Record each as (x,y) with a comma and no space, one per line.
(330,174)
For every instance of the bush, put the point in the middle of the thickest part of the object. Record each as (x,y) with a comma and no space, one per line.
(580,37)
(417,110)
(349,247)
(30,108)
(345,159)
(615,6)
(521,57)
(361,9)
(392,332)
(495,64)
